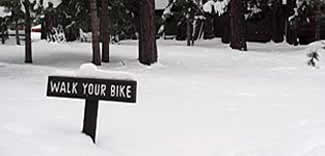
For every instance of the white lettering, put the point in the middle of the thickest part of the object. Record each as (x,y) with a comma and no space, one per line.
(112,90)
(63,88)
(84,85)
(128,91)
(97,89)
(74,88)
(55,86)
(68,88)
(122,94)
(103,90)
(91,89)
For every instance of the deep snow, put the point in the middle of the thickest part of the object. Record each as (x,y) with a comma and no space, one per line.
(206,100)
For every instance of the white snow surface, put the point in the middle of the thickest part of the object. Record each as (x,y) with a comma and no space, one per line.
(89,70)
(206,100)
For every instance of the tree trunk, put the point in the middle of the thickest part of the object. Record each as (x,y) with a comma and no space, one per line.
(188,30)
(43,30)
(238,26)
(318,27)
(95,32)
(277,23)
(3,39)
(147,41)
(17,33)
(105,31)
(226,28)
(28,27)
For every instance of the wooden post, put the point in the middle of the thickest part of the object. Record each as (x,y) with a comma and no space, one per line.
(90,118)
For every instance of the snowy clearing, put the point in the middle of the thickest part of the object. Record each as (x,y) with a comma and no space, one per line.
(206,100)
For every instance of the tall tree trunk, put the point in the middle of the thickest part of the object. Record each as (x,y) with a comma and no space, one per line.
(238,26)
(105,35)
(3,39)
(2,27)
(28,27)
(43,30)
(95,32)
(277,22)
(17,33)
(188,30)
(147,41)
(318,27)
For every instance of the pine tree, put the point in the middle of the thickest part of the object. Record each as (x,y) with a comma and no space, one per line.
(14,6)
(27,9)
(123,19)
(187,13)
(73,15)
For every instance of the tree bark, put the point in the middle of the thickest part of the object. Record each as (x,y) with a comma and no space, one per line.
(43,30)
(238,26)
(17,33)
(277,23)
(3,39)
(188,30)
(147,40)
(95,32)
(2,30)
(28,27)
(105,31)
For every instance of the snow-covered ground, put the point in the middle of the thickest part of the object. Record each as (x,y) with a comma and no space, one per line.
(206,100)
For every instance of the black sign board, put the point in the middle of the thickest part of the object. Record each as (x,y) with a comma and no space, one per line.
(92,90)
(98,89)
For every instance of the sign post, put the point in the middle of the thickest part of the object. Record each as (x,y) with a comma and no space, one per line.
(92,90)
(90,118)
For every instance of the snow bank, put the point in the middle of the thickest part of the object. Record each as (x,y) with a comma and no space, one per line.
(316,44)
(89,70)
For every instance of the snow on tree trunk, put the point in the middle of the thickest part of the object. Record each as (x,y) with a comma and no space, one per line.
(28,27)
(105,31)
(95,32)
(237,23)
(147,39)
